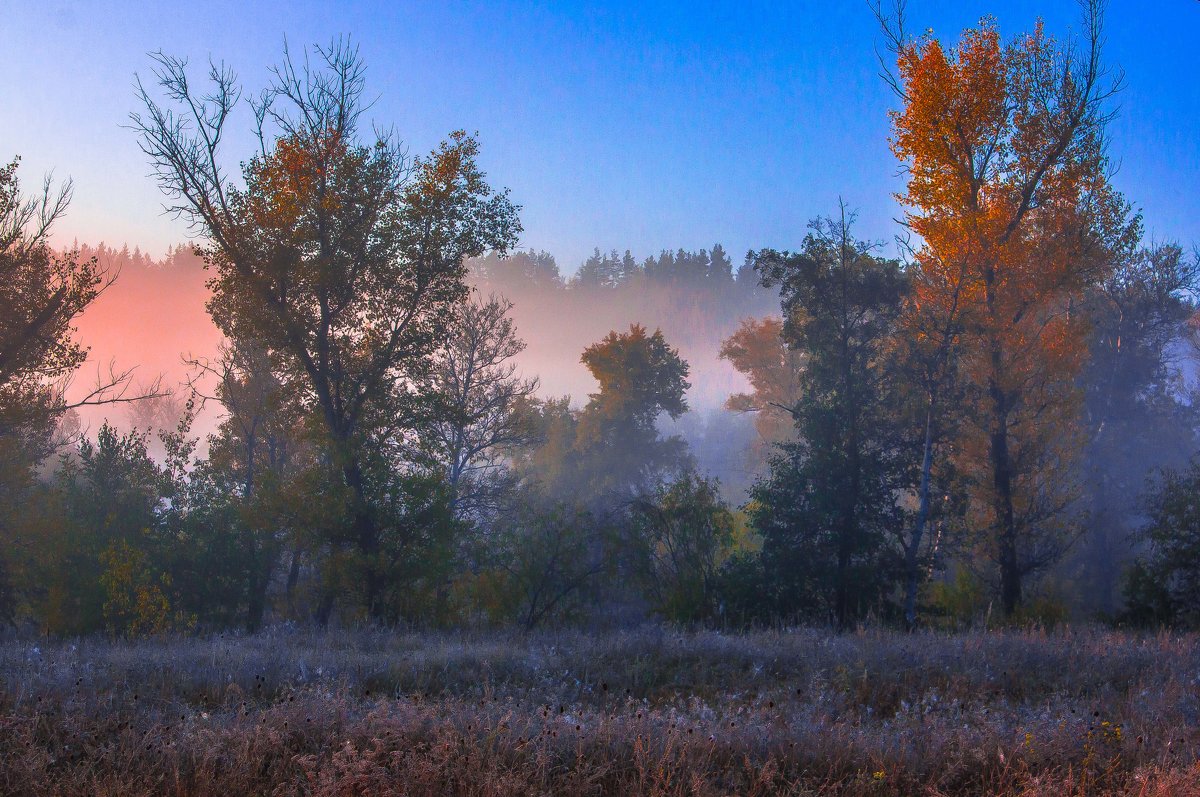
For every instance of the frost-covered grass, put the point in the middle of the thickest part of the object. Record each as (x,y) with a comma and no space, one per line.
(651,711)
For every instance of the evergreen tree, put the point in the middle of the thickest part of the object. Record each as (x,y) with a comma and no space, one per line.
(828,508)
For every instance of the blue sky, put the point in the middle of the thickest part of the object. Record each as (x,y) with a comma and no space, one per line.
(636,125)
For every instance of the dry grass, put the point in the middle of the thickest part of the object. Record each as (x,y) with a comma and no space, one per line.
(650,712)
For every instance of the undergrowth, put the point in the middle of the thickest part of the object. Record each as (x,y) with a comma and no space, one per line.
(645,712)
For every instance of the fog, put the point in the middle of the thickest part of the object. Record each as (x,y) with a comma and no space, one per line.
(153,319)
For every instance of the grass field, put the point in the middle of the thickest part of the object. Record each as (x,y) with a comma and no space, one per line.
(645,712)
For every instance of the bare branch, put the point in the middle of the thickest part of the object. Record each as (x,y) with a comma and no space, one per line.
(896,41)
(112,386)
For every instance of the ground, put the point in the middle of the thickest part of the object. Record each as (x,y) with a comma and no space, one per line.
(652,711)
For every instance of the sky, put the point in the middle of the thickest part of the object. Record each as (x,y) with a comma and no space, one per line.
(618,125)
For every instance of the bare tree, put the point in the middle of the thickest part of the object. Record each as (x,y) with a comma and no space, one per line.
(480,401)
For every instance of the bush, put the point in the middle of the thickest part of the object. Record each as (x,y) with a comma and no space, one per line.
(545,560)
(1163,588)
(136,603)
(1147,600)
(682,534)
(957,602)
(742,591)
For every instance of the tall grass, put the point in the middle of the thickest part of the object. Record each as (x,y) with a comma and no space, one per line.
(646,712)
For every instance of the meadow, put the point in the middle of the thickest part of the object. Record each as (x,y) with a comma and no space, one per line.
(651,711)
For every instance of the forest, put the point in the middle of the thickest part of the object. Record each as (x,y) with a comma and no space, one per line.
(368,421)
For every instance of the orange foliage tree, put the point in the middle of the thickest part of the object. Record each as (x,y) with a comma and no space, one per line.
(1008,192)
(759,352)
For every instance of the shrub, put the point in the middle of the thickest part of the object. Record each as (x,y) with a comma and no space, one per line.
(1164,586)
(682,534)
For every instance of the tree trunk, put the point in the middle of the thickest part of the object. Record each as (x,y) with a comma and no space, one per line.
(255,608)
(366,534)
(912,553)
(849,542)
(260,580)
(1003,517)
(324,609)
(1002,502)
(292,579)
(842,597)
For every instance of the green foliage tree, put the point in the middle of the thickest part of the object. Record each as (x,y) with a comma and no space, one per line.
(598,461)
(828,508)
(419,551)
(254,456)
(42,292)
(550,458)
(102,564)
(641,378)
(720,268)
(606,271)
(542,563)
(136,601)
(211,560)
(345,259)
(520,271)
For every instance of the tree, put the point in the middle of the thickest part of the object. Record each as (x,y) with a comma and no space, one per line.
(720,268)
(746,277)
(42,293)
(519,272)
(641,377)
(550,458)
(758,351)
(1008,192)
(597,463)
(828,506)
(1136,417)
(680,268)
(344,258)
(159,414)
(478,415)
(543,561)
(257,456)
(109,545)
(606,271)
